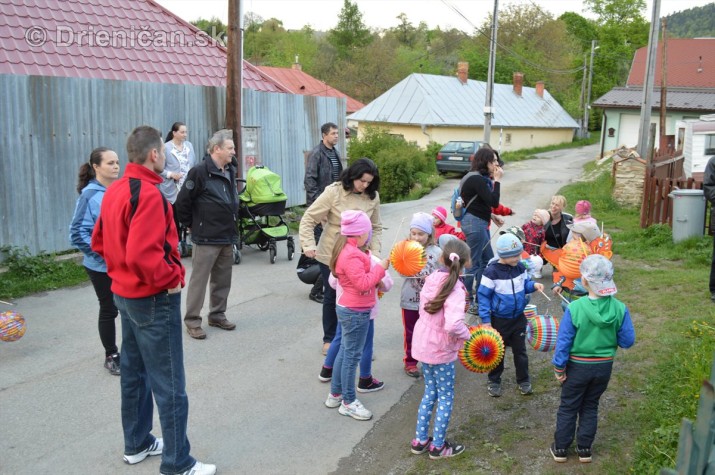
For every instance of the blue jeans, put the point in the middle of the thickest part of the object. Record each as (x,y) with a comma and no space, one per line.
(365,359)
(478,240)
(355,326)
(580,393)
(152,362)
(439,386)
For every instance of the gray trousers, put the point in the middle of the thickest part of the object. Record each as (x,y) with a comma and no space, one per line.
(214,262)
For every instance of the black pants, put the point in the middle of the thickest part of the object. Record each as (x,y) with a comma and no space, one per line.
(330,318)
(107,310)
(513,332)
(580,393)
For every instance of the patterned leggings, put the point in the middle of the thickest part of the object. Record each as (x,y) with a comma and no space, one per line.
(439,386)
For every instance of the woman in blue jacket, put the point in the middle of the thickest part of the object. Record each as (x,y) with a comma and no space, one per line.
(95,176)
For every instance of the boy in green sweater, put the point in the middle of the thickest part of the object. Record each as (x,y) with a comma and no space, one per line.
(590,332)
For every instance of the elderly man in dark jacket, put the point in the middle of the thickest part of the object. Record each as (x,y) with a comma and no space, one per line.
(709,190)
(208,204)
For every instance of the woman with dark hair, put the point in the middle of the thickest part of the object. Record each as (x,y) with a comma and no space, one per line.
(94,178)
(357,189)
(180,158)
(480,194)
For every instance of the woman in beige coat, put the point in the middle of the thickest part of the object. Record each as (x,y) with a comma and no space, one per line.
(356,190)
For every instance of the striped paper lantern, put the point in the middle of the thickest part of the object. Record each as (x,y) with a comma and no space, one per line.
(12,326)
(541,332)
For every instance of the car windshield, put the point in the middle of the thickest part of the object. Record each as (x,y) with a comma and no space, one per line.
(459,147)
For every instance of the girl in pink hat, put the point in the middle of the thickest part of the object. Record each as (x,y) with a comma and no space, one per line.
(359,281)
(439,221)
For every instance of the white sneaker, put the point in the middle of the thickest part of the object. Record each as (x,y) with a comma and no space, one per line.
(200,469)
(154,449)
(355,410)
(333,401)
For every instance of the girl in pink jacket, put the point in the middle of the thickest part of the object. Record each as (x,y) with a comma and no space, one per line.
(439,334)
(359,280)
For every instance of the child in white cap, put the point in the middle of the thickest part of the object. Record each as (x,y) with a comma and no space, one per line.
(421,231)
(502,299)
(590,332)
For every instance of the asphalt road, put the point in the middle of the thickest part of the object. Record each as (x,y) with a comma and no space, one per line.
(256,404)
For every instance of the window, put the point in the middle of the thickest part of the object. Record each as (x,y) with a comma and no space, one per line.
(710,144)
(507,139)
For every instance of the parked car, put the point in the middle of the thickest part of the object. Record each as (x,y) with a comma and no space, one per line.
(457,155)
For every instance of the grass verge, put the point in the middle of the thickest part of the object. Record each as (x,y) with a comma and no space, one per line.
(527,153)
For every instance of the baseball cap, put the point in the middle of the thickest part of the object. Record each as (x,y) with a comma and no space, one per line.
(587,229)
(598,272)
(516,231)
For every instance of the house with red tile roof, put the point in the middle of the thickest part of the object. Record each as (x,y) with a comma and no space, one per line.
(124,40)
(299,82)
(690,80)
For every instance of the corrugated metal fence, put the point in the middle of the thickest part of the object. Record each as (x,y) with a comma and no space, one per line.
(50,125)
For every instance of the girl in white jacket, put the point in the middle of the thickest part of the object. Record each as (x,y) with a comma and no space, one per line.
(439,334)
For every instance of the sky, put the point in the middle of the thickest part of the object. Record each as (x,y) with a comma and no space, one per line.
(323,14)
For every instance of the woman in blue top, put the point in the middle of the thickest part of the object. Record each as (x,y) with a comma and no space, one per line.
(94,178)
(180,158)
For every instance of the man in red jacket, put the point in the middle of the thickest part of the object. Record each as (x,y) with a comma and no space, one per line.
(136,235)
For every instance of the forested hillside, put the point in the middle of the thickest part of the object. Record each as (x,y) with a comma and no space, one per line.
(696,22)
(364,62)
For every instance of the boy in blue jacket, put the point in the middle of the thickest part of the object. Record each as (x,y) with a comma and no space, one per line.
(502,299)
(590,332)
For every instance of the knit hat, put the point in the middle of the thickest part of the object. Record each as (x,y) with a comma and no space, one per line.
(354,223)
(444,239)
(441,213)
(586,229)
(516,231)
(583,207)
(423,222)
(598,272)
(508,245)
(543,215)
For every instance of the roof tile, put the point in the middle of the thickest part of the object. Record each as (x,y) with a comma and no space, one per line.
(127,56)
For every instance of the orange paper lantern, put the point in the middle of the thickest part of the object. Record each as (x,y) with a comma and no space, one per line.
(408,257)
(571,256)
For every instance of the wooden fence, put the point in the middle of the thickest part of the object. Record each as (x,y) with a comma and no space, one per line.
(696,446)
(661,179)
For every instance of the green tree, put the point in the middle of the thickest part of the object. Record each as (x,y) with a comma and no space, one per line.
(351,33)
(213,27)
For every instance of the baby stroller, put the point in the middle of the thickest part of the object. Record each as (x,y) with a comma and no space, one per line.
(261,204)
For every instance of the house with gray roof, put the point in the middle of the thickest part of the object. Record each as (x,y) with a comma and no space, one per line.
(690,93)
(426,108)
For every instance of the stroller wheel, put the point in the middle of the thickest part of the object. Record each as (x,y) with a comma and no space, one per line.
(263,245)
(272,251)
(236,255)
(291,249)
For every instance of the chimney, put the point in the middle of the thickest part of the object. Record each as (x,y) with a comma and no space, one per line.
(518,83)
(297,65)
(463,71)
(540,89)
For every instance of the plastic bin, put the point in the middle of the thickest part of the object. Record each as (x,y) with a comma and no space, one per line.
(688,214)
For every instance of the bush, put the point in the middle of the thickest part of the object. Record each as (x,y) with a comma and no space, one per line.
(403,166)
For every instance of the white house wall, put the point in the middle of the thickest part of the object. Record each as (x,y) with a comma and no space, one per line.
(517,138)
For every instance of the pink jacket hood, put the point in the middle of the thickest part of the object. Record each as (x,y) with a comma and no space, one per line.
(438,337)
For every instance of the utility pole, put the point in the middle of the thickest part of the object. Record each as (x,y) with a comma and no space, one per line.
(587,108)
(234,77)
(488,109)
(582,101)
(647,102)
(663,141)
